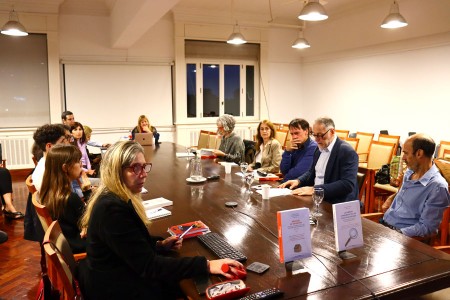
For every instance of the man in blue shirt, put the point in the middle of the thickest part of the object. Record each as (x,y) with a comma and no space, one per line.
(297,159)
(418,206)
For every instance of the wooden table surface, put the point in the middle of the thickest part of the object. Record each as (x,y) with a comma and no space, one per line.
(389,265)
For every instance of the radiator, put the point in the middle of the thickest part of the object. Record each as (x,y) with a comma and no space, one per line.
(245,133)
(16,151)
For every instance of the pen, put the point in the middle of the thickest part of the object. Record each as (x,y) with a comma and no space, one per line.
(187,230)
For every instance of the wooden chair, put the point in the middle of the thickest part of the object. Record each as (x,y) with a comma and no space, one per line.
(46,220)
(342,134)
(281,136)
(203,139)
(379,154)
(352,141)
(390,139)
(364,144)
(30,185)
(60,261)
(213,140)
(446,154)
(444,145)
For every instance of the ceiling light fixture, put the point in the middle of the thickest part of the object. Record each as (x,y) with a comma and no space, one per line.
(236,38)
(300,42)
(13,26)
(394,19)
(313,11)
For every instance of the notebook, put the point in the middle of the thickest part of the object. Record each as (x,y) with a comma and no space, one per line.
(144,138)
(156,213)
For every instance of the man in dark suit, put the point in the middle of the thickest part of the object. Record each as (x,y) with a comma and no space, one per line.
(334,167)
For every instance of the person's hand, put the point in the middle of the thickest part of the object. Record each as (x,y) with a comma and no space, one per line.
(293,146)
(171,243)
(217,152)
(215,266)
(146,129)
(303,191)
(90,172)
(83,233)
(106,145)
(290,183)
(249,169)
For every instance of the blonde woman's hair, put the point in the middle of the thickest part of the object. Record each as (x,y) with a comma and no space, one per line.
(87,131)
(118,156)
(56,185)
(140,119)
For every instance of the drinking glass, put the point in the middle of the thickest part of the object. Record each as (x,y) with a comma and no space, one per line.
(317,197)
(244,168)
(249,180)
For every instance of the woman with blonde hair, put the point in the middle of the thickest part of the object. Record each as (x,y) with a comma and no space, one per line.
(123,259)
(268,149)
(145,126)
(62,166)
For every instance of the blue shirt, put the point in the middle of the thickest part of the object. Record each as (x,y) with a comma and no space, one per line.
(418,207)
(295,163)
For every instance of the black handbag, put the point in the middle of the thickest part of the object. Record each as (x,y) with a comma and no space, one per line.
(382,176)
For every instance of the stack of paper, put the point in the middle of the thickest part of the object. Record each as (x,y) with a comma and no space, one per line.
(156,203)
(198,228)
(156,213)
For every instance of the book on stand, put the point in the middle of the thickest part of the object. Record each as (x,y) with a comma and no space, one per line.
(294,234)
(198,228)
(347,225)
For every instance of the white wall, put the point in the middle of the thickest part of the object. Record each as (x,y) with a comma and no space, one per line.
(401,92)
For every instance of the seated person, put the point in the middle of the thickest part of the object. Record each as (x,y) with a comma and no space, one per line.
(80,140)
(297,159)
(418,206)
(231,148)
(6,193)
(95,159)
(144,126)
(334,167)
(123,260)
(62,166)
(268,149)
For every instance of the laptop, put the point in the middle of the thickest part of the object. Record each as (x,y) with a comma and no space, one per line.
(144,138)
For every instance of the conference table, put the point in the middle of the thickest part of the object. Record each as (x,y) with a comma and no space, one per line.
(389,265)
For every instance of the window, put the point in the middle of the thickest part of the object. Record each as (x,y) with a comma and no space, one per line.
(228,84)
(24,97)
(216,88)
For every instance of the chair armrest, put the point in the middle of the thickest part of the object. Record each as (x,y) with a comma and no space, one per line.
(79,256)
(373,216)
(445,249)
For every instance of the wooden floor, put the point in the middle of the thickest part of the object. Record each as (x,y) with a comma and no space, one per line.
(19,258)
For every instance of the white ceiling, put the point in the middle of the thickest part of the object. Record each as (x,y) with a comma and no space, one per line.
(355,23)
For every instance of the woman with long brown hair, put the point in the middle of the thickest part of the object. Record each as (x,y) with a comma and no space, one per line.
(62,166)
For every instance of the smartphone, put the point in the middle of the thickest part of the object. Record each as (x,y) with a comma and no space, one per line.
(201,283)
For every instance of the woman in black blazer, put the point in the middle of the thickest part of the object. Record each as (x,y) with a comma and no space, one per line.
(123,259)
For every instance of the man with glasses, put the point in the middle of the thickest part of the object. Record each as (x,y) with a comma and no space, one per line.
(334,167)
(298,157)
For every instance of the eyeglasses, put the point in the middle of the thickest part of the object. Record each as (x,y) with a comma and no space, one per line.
(320,135)
(138,168)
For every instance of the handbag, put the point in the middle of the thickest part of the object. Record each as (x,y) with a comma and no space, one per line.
(382,176)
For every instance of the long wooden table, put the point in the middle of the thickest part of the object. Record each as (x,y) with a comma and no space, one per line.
(390,265)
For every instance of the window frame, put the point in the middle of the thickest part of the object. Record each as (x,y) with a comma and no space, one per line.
(199,63)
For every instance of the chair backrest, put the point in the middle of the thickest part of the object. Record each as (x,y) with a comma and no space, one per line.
(380,153)
(443,227)
(342,133)
(360,177)
(30,185)
(203,139)
(281,136)
(352,141)
(2,161)
(42,212)
(364,144)
(390,139)
(61,263)
(444,145)
(214,140)
(446,153)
